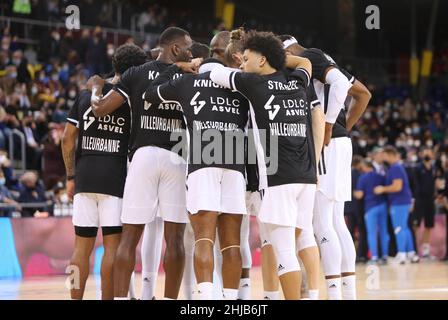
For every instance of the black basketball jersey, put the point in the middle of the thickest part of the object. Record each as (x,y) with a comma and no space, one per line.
(320,62)
(216,118)
(152,125)
(279,113)
(101,154)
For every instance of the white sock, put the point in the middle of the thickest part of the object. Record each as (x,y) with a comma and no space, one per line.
(313,294)
(131,293)
(149,282)
(244,289)
(165,298)
(271,295)
(229,294)
(205,291)
(426,248)
(349,287)
(334,289)
(121,298)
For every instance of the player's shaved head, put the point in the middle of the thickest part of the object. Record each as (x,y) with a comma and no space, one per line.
(218,44)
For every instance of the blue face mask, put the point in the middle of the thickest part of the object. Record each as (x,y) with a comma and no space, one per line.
(2,181)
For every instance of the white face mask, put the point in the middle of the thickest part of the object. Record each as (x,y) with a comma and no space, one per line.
(2,181)
(64,198)
(414,158)
(362,143)
(417,143)
(429,143)
(408,131)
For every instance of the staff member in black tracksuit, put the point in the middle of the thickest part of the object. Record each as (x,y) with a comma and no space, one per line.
(424,188)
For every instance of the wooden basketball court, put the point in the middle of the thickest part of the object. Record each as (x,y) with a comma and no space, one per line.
(426,280)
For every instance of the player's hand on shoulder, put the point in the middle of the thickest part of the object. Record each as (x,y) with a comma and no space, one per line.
(95,81)
(378,190)
(190,67)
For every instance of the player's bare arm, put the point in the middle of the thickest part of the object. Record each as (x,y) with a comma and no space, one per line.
(296,62)
(361,97)
(318,125)
(68,153)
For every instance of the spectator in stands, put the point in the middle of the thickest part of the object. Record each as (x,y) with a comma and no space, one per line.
(82,45)
(53,170)
(33,146)
(21,63)
(31,192)
(6,197)
(96,53)
(8,172)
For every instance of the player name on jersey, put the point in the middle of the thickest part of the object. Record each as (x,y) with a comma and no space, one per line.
(100,144)
(218,125)
(277,85)
(161,124)
(288,129)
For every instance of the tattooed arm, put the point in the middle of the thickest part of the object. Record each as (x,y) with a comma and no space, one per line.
(68,152)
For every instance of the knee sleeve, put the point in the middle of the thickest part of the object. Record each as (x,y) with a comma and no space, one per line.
(326,236)
(306,240)
(246,254)
(152,245)
(283,242)
(348,262)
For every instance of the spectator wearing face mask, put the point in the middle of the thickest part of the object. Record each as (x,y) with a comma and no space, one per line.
(424,194)
(33,147)
(23,75)
(62,205)
(6,197)
(32,192)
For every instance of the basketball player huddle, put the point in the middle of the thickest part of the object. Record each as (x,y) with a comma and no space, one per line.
(186,147)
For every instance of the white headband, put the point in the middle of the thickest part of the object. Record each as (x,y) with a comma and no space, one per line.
(289,42)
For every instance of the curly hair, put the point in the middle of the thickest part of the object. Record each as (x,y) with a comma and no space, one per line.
(126,56)
(267,44)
